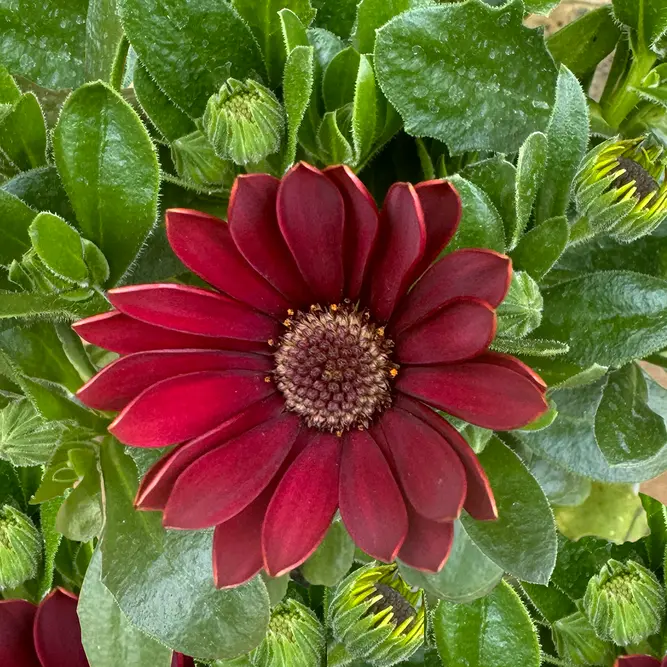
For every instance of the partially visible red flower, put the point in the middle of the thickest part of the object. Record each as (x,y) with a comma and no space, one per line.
(640,661)
(48,635)
(301,385)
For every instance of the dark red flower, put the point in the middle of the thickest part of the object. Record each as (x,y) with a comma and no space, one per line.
(301,385)
(48,635)
(640,661)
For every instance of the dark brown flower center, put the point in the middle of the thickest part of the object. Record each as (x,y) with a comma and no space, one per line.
(400,607)
(644,182)
(334,368)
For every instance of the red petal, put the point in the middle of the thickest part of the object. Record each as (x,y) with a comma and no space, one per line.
(462,329)
(205,245)
(513,364)
(57,633)
(124,379)
(303,506)
(186,406)
(361,226)
(124,335)
(371,503)
(156,486)
(311,217)
(220,484)
(431,474)
(16,643)
(193,310)
(479,503)
(401,243)
(483,274)
(442,212)
(180,660)
(237,544)
(428,543)
(639,661)
(254,227)
(482,393)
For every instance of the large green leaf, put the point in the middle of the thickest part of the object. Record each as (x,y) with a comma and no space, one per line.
(103,35)
(620,316)
(108,638)
(108,166)
(44,40)
(163,580)
(298,85)
(264,21)
(191,47)
(467,575)
(567,139)
(495,631)
(23,134)
(486,91)
(15,219)
(540,248)
(523,539)
(647,17)
(332,559)
(336,15)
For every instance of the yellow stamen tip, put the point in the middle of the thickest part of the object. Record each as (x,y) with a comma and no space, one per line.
(290,312)
(271,342)
(339,434)
(393,372)
(287,323)
(333,307)
(267,379)
(380,331)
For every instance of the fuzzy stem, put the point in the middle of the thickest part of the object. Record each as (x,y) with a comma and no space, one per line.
(551,660)
(118,69)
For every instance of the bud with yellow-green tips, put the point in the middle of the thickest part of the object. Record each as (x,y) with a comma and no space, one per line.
(620,190)
(375,617)
(625,603)
(576,642)
(244,122)
(20,548)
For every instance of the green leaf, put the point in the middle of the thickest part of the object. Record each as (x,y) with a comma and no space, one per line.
(42,190)
(275,586)
(25,438)
(36,304)
(497,178)
(108,637)
(536,347)
(467,576)
(191,50)
(44,40)
(332,142)
(648,18)
(23,134)
(59,246)
(626,429)
(10,486)
(80,517)
(294,32)
(656,514)
(16,218)
(481,225)
(620,316)
(540,248)
(582,44)
(163,580)
(332,559)
(495,631)
(264,21)
(108,166)
(103,35)
(168,119)
(442,84)
(373,14)
(551,603)
(297,90)
(529,170)
(612,512)
(523,539)
(326,45)
(364,110)
(570,440)
(336,15)
(567,139)
(10,93)
(52,538)
(340,79)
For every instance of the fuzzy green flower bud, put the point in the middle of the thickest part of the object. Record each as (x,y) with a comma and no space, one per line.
(625,603)
(295,638)
(244,122)
(376,617)
(576,642)
(521,311)
(196,163)
(20,548)
(620,190)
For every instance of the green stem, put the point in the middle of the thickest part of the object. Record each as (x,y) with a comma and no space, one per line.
(118,68)
(337,656)
(624,100)
(551,660)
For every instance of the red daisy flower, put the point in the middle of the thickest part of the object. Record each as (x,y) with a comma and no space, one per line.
(301,385)
(48,635)
(640,661)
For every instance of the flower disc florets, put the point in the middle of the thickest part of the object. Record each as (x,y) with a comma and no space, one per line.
(334,368)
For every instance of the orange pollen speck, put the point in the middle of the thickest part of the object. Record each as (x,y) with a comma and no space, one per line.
(287,323)
(290,312)
(267,379)
(393,372)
